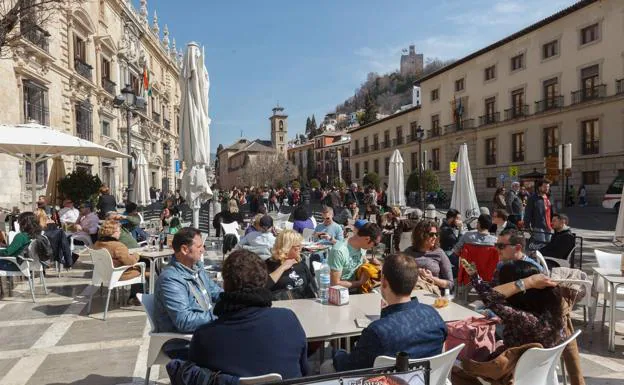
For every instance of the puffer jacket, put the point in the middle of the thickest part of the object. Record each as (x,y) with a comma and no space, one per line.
(178,309)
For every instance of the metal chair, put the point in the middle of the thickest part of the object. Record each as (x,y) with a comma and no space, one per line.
(155,355)
(440,365)
(562,262)
(105,274)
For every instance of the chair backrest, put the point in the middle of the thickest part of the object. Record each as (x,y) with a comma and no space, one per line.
(313,221)
(288,225)
(229,228)
(542,261)
(585,283)
(537,366)
(485,259)
(102,267)
(607,260)
(571,254)
(148,302)
(308,234)
(12,235)
(265,378)
(440,365)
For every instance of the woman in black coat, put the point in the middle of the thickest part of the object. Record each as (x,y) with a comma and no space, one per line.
(106,202)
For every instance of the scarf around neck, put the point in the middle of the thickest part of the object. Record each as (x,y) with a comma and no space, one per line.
(233,301)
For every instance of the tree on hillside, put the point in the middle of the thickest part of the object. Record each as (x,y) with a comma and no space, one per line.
(307,130)
(26,19)
(370,111)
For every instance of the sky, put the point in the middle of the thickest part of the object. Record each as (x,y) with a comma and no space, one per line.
(309,56)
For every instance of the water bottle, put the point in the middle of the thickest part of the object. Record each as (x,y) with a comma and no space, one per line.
(324,282)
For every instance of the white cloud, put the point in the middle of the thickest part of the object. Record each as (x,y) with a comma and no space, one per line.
(365,52)
(509,7)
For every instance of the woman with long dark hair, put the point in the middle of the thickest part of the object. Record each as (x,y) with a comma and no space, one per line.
(29,228)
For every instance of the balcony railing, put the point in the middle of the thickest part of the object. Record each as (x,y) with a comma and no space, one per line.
(459,126)
(589,93)
(517,156)
(356,151)
(156,117)
(591,147)
(167,123)
(365,149)
(108,85)
(517,112)
(375,146)
(551,151)
(434,132)
(619,86)
(84,69)
(37,35)
(489,118)
(85,134)
(549,104)
(399,140)
(386,144)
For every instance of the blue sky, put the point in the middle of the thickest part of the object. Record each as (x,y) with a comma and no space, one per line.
(312,55)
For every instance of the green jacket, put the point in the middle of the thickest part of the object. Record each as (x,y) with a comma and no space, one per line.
(16,247)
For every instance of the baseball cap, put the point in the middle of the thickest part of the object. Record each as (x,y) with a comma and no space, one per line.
(360,223)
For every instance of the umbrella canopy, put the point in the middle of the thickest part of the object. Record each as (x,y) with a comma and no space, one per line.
(396,182)
(464,197)
(618,237)
(195,129)
(56,174)
(533,175)
(141,182)
(35,143)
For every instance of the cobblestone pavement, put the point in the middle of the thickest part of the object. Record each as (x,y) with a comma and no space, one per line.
(54,341)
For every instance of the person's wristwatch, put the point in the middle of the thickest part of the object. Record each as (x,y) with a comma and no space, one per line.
(520,285)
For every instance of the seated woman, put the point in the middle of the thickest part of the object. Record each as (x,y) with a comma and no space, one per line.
(433,264)
(391,227)
(290,277)
(109,239)
(261,241)
(57,238)
(132,222)
(302,220)
(250,338)
(29,228)
(229,214)
(532,309)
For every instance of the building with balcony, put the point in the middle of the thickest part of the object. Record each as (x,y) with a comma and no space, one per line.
(332,156)
(372,144)
(514,101)
(302,156)
(66,74)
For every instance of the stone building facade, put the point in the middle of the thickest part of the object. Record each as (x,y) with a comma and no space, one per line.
(558,81)
(67,76)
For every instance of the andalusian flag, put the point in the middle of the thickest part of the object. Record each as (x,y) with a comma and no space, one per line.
(147,90)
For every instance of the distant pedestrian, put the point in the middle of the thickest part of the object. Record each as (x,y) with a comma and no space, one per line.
(539,211)
(582,195)
(514,203)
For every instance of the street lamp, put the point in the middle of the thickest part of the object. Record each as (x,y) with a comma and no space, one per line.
(167,161)
(127,102)
(420,134)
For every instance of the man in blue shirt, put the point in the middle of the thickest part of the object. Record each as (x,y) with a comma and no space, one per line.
(328,230)
(405,325)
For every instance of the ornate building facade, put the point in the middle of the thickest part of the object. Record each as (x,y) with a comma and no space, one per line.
(67,74)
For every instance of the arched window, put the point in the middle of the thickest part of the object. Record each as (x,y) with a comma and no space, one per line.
(281,125)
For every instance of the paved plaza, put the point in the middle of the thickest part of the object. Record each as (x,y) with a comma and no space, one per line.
(55,342)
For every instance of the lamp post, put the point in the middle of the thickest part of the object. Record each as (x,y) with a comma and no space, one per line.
(167,161)
(127,103)
(420,134)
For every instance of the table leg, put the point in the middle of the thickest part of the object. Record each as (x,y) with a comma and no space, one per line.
(152,281)
(612,319)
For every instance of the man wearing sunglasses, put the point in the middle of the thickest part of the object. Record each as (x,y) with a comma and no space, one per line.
(510,245)
(328,230)
(347,255)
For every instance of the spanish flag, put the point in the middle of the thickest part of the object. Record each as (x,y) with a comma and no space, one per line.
(147,91)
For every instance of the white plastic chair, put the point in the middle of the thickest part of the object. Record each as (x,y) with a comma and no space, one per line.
(230,228)
(562,262)
(440,365)
(264,379)
(155,355)
(287,225)
(606,261)
(26,268)
(104,274)
(11,235)
(542,261)
(313,221)
(308,234)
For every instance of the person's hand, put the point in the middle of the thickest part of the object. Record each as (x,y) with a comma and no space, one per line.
(425,273)
(375,261)
(539,281)
(288,263)
(78,227)
(459,224)
(470,268)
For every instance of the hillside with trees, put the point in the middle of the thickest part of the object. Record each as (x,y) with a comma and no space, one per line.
(386,94)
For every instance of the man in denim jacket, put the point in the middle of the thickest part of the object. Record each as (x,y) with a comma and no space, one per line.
(405,325)
(184,293)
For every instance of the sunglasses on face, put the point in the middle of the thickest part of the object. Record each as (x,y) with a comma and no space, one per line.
(432,235)
(501,246)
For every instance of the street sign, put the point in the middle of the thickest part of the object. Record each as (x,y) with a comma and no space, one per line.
(178,166)
(453,170)
(502,177)
(513,171)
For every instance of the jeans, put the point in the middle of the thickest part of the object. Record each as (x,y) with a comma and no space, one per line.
(541,235)
(8,266)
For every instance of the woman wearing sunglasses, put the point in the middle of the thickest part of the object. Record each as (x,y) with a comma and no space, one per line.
(433,264)
(290,277)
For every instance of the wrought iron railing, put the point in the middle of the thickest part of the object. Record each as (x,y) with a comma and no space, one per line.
(492,118)
(549,104)
(37,35)
(109,85)
(619,86)
(84,69)
(517,112)
(156,117)
(591,147)
(589,93)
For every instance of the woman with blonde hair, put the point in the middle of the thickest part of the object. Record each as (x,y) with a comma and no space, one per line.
(108,238)
(229,214)
(290,277)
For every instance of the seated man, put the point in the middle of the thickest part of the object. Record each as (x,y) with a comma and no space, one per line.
(346,256)
(125,236)
(86,225)
(450,230)
(184,294)
(510,245)
(388,335)
(132,222)
(260,241)
(500,222)
(562,241)
(480,236)
(328,229)
(68,214)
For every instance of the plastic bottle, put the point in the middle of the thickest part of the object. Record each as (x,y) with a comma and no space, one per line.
(324,282)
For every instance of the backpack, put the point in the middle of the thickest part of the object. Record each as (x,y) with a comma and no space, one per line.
(41,248)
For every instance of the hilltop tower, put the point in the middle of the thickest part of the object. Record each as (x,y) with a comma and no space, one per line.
(279,130)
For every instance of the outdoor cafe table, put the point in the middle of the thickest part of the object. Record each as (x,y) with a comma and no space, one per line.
(153,255)
(615,279)
(326,322)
